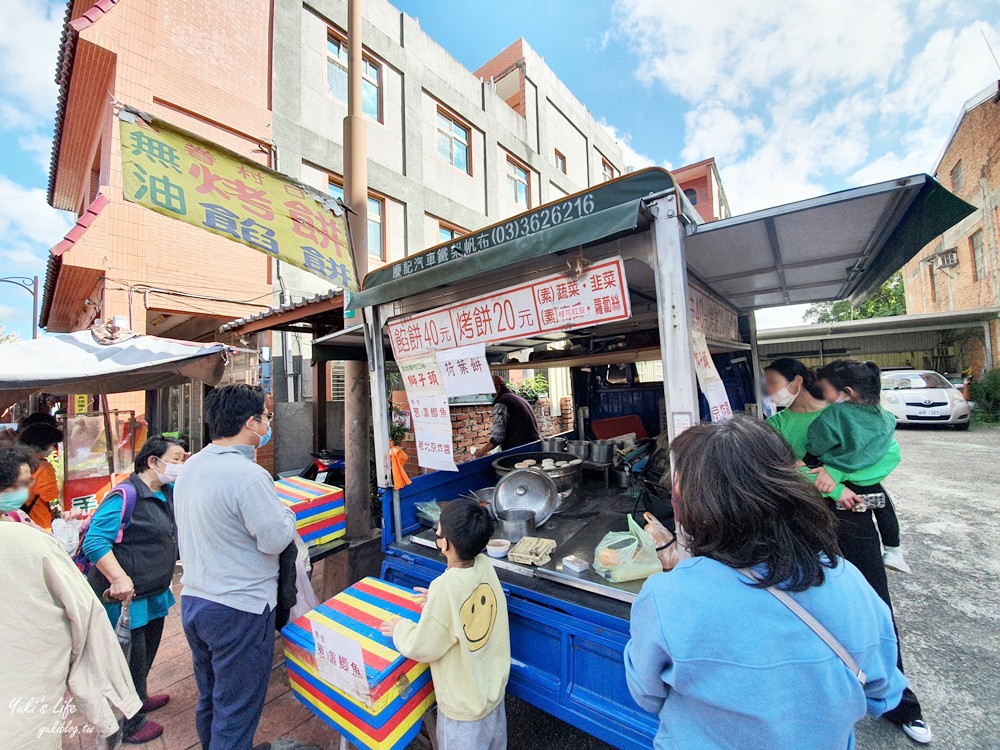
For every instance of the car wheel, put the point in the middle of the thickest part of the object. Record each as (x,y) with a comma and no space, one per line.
(962,426)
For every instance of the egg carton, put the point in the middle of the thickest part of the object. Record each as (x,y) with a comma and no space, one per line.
(532,550)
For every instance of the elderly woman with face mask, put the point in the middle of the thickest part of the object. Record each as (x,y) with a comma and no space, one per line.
(134,557)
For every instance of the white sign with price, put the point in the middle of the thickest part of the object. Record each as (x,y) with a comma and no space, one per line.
(428,400)
(340,663)
(708,379)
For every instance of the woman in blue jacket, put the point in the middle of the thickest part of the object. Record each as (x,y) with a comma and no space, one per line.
(720,660)
(140,567)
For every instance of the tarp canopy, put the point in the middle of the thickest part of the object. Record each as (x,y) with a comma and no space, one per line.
(840,245)
(78,363)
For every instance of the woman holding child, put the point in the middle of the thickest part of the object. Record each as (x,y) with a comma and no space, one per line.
(835,425)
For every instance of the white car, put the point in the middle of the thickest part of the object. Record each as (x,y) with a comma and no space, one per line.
(924,397)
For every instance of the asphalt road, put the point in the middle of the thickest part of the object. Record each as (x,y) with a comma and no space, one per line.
(947,496)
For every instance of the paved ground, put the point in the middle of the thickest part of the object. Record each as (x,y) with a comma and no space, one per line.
(947,494)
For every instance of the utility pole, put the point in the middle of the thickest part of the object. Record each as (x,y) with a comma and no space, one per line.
(357,391)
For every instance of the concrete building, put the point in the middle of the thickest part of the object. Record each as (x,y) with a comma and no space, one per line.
(450,150)
(195,66)
(961,269)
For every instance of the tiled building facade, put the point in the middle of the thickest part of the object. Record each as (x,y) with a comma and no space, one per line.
(201,66)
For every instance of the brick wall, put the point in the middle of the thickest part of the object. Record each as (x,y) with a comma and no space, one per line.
(976,145)
(471,426)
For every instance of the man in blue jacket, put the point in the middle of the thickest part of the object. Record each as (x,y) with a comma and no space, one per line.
(231,527)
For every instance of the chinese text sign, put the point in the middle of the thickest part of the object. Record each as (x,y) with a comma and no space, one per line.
(708,379)
(551,303)
(191,180)
(465,370)
(340,662)
(428,402)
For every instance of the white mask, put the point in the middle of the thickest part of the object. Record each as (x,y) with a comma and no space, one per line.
(170,473)
(784,398)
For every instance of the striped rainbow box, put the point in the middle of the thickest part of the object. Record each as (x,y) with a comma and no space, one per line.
(318,508)
(401,689)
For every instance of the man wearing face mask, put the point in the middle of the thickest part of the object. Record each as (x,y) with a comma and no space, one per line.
(133,546)
(231,528)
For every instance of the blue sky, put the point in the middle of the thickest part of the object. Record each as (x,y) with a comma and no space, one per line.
(793,99)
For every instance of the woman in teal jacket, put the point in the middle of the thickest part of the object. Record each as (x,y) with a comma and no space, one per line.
(140,567)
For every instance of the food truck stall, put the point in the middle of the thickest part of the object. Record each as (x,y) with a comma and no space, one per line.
(622,273)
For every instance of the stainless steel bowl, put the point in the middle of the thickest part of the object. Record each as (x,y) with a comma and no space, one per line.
(528,489)
(602,451)
(513,525)
(554,445)
(568,479)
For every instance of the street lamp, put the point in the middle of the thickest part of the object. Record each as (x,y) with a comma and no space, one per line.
(30,285)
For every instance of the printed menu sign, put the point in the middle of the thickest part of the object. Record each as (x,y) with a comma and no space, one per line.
(428,401)
(552,303)
(465,370)
(708,379)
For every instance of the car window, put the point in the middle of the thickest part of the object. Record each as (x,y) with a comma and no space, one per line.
(914,380)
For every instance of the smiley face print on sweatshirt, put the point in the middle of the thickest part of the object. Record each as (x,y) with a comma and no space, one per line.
(477,615)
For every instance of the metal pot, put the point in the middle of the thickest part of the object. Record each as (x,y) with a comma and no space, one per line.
(602,451)
(568,479)
(622,479)
(579,448)
(554,445)
(515,524)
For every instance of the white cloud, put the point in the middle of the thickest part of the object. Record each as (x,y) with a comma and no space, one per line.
(27,57)
(28,228)
(798,99)
(39,146)
(630,156)
(780,317)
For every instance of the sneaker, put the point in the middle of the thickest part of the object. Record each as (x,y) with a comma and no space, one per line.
(148,732)
(154,702)
(893,559)
(918,731)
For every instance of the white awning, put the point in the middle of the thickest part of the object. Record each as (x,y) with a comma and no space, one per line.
(78,363)
(838,246)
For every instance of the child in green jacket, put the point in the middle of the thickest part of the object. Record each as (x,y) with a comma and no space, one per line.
(854,441)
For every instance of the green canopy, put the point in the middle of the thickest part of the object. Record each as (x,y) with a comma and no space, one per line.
(601,213)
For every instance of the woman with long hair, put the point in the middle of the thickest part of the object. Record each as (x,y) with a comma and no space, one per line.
(715,652)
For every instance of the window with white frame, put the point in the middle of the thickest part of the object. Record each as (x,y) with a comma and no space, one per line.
(376,218)
(560,161)
(453,141)
(336,78)
(608,171)
(518,189)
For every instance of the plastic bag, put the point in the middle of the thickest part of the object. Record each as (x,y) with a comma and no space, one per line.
(67,533)
(428,513)
(627,555)
(305,597)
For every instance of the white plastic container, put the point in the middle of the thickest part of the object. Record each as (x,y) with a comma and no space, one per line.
(497,548)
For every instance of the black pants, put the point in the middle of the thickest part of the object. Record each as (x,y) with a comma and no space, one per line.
(888,524)
(145,643)
(859,543)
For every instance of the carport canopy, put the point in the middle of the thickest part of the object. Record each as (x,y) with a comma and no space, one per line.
(837,246)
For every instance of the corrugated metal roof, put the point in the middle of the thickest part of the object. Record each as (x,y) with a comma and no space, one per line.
(287,307)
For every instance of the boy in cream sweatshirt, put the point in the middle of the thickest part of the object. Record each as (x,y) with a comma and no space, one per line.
(463,634)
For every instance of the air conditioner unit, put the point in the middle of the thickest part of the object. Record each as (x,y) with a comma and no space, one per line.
(948,259)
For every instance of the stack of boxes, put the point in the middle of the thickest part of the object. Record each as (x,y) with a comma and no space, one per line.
(398,691)
(318,508)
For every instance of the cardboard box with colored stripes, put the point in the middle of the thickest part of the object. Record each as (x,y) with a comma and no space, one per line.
(386,714)
(318,508)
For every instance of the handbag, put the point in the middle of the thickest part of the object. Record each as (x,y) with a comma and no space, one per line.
(814,625)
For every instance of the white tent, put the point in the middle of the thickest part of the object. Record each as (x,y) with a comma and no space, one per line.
(79,363)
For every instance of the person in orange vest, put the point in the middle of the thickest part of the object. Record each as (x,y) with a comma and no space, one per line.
(41,439)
